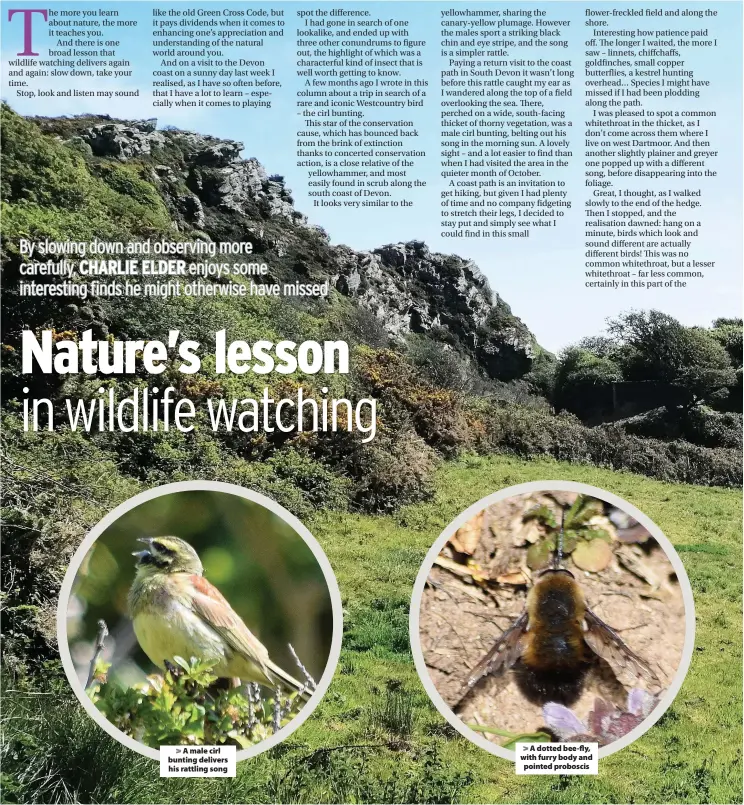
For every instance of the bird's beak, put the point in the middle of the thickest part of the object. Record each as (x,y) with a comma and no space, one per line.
(142,554)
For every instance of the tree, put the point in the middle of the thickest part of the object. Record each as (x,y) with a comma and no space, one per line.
(728,332)
(654,346)
(579,376)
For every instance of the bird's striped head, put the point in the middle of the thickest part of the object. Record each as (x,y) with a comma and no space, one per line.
(167,555)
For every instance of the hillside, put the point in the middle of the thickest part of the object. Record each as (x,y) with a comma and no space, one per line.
(453,371)
(462,388)
(195,186)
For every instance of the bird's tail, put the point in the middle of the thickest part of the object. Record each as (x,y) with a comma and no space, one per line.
(286,681)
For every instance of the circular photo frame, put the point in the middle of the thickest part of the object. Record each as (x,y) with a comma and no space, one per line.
(493,627)
(279,560)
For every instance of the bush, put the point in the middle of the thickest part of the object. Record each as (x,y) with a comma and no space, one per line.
(184,707)
(700,425)
(577,373)
(437,415)
(395,469)
(441,365)
(55,194)
(322,488)
(528,433)
(655,346)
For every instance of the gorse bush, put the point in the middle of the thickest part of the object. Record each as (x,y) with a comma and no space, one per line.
(394,469)
(436,414)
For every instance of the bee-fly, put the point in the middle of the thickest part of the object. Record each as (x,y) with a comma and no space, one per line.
(556,642)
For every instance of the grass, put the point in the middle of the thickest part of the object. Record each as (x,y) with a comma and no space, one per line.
(377,738)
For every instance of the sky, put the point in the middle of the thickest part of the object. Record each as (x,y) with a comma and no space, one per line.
(541,277)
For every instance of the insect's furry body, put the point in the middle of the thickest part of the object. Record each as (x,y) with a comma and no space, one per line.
(555,609)
(556,642)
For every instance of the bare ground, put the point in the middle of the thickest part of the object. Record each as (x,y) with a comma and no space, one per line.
(464,610)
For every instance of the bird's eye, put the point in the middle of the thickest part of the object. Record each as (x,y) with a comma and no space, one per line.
(161,547)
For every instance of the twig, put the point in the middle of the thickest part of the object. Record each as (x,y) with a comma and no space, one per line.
(489,616)
(29,692)
(616,592)
(453,567)
(310,682)
(254,699)
(277,716)
(100,640)
(630,628)
(431,664)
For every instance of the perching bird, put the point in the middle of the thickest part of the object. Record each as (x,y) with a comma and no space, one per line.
(176,612)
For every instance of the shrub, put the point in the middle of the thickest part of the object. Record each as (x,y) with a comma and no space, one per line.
(578,371)
(700,425)
(363,327)
(183,706)
(527,433)
(55,195)
(395,469)
(677,461)
(436,414)
(322,488)
(655,346)
(441,365)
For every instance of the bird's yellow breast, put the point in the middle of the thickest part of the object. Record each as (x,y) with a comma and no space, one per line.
(176,631)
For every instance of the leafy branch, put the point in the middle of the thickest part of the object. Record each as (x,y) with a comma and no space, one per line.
(186,705)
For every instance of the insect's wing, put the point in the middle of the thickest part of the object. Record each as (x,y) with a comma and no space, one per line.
(607,644)
(505,652)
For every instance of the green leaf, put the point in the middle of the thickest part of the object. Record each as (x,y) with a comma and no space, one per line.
(544,514)
(570,538)
(513,738)
(538,554)
(592,556)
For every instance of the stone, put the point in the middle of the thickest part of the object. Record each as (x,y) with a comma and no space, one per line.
(122,141)
(412,290)
(191,207)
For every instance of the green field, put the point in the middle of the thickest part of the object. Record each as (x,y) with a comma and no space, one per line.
(376,737)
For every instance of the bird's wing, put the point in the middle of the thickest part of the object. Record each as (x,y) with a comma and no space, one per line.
(212,607)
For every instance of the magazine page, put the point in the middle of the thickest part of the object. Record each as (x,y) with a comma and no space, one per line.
(371,401)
